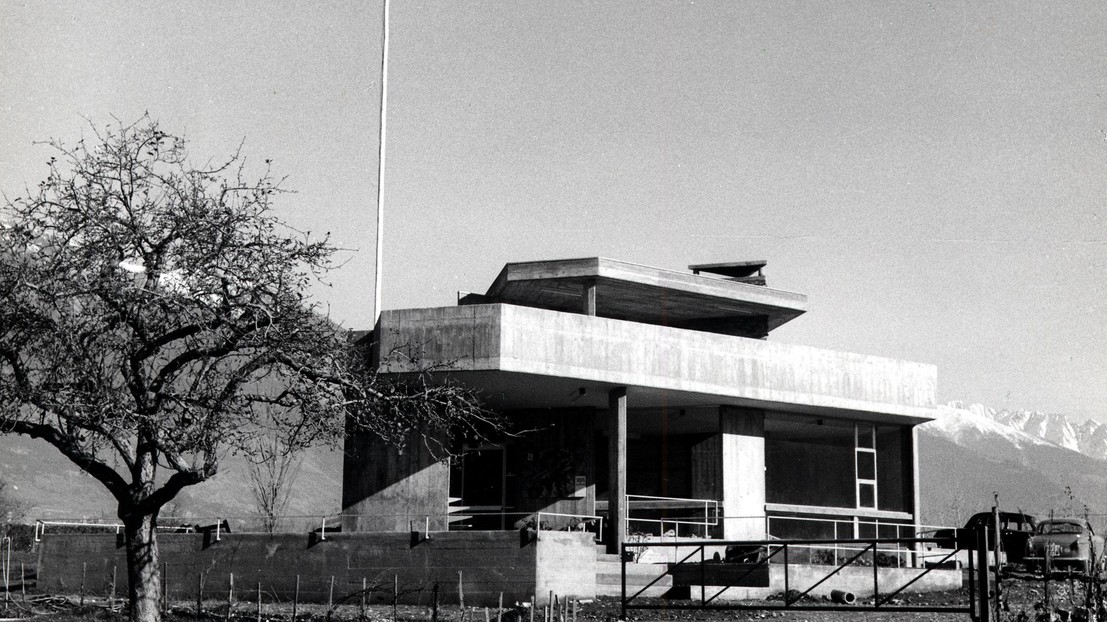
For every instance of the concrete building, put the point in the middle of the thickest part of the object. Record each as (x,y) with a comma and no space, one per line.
(655,399)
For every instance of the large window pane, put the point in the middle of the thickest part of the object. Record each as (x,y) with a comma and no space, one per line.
(810,461)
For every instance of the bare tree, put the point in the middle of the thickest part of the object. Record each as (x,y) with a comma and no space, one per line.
(152,313)
(273,469)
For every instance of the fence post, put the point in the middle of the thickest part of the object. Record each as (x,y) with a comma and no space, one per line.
(786,602)
(164,588)
(295,598)
(199,594)
(259,601)
(330,597)
(230,594)
(84,569)
(111,598)
(982,571)
(621,547)
(876,576)
(461,593)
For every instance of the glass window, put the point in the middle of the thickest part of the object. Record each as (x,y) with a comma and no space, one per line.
(865,436)
(866,495)
(866,465)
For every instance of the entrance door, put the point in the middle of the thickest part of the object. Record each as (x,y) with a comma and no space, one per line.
(477,486)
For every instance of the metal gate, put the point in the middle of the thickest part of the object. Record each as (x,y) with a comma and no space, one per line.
(696,570)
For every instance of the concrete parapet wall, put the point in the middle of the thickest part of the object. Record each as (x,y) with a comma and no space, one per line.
(490,563)
(566,565)
(535,341)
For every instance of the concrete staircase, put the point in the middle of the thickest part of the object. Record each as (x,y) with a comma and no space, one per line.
(609,577)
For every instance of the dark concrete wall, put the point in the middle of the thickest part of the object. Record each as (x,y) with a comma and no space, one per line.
(545,463)
(491,562)
(384,489)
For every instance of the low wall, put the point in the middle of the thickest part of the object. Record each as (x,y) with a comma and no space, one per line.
(859,581)
(489,563)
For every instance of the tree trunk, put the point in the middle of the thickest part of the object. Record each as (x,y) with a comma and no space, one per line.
(142,568)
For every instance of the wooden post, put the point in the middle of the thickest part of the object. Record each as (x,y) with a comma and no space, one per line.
(22,583)
(533,604)
(460,593)
(111,597)
(84,569)
(199,595)
(296,598)
(361,601)
(164,588)
(500,609)
(230,594)
(259,601)
(434,603)
(395,594)
(486,618)
(330,597)
(574,610)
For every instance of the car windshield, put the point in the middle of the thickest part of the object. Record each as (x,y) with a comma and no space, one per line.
(1060,528)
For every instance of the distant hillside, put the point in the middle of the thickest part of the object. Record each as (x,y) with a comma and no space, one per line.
(54,489)
(968,453)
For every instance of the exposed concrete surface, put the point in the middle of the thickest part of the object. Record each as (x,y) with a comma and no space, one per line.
(545,343)
(743,455)
(489,563)
(565,565)
(384,489)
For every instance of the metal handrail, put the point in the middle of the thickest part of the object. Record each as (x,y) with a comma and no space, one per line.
(710,512)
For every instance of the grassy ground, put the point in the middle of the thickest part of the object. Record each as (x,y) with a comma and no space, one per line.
(1023,600)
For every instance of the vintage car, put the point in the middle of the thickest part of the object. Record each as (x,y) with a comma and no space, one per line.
(1064,542)
(1015,528)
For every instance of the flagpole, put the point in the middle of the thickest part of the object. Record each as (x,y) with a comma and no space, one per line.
(380,171)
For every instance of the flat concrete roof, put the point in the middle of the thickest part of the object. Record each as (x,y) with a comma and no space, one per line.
(523,357)
(628,291)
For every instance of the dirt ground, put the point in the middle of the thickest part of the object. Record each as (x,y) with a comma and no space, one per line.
(1022,599)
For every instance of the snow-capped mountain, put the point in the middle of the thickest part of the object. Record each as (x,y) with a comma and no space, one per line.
(1088,438)
(1034,462)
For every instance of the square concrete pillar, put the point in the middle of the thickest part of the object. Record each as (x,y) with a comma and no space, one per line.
(743,473)
(617,467)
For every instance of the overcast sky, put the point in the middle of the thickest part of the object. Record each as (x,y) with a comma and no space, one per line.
(933,175)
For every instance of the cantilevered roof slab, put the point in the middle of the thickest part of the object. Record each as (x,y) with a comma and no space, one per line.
(524,357)
(637,293)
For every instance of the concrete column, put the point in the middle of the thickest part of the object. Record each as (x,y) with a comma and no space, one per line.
(743,457)
(617,467)
(590,298)
(916,510)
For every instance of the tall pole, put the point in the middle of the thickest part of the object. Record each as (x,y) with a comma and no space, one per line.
(377,271)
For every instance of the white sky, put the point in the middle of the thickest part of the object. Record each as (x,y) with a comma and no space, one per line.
(932,174)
